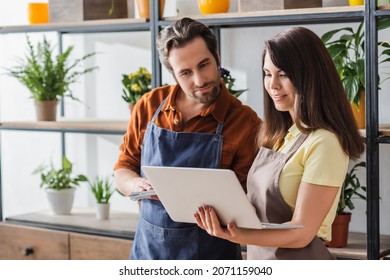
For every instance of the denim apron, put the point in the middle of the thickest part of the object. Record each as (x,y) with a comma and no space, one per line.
(264,194)
(158,236)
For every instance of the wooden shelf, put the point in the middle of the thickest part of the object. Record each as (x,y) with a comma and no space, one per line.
(107,25)
(120,224)
(384,130)
(280,12)
(286,16)
(68,125)
(357,248)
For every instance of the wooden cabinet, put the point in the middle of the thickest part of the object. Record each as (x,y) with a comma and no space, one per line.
(89,247)
(31,243)
(28,243)
(79,236)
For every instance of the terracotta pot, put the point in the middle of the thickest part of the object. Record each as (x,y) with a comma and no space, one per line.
(46,110)
(360,112)
(213,7)
(144,8)
(340,229)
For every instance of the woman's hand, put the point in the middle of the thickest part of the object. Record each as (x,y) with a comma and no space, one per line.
(207,219)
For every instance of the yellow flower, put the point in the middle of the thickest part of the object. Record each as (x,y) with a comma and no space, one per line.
(142,70)
(135,87)
(136,84)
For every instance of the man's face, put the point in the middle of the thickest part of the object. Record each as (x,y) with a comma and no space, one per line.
(196,71)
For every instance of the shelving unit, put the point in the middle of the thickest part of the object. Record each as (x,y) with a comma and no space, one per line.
(369,13)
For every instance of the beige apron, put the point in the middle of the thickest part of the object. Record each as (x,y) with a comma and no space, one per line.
(264,194)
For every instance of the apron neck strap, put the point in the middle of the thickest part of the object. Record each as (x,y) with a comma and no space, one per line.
(219,128)
(294,147)
(158,110)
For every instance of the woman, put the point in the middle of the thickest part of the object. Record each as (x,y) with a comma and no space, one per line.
(306,141)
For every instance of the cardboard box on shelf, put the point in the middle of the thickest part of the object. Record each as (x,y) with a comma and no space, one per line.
(80,10)
(255,5)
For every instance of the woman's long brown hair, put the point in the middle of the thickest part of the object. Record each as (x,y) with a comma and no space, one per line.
(322,102)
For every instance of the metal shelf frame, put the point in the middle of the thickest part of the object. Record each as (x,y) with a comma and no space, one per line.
(369,14)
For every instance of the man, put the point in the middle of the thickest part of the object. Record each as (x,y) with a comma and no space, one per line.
(195,123)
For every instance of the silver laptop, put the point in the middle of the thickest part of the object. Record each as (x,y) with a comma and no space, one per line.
(182,190)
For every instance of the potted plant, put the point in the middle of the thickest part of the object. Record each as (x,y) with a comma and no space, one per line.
(135,85)
(229,82)
(48,78)
(59,185)
(347,52)
(351,188)
(102,190)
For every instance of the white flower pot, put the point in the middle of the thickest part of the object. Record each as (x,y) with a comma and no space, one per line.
(102,211)
(60,201)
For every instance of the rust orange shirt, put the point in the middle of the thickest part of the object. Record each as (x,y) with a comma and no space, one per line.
(240,128)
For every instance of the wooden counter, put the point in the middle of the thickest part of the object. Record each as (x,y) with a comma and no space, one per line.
(120,224)
(357,247)
(79,236)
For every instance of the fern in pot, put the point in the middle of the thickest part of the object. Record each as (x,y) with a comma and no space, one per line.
(59,185)
(48,78)
(101,188)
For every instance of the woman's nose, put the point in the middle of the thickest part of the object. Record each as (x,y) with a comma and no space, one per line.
(274,83)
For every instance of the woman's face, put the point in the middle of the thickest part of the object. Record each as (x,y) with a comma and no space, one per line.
(279,87)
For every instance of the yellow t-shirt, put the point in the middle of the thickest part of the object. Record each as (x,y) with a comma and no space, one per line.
(319,160)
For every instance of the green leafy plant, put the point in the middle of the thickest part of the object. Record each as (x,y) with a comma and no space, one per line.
(46,77)
(229,82)
(102,189)
(351,188)
(347,52)
(136,84)
(61,178)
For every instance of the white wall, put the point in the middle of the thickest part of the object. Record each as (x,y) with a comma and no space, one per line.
(121,53)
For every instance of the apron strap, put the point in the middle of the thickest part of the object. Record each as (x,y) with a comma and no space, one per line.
(294,147)
(158,110)
(219,128)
